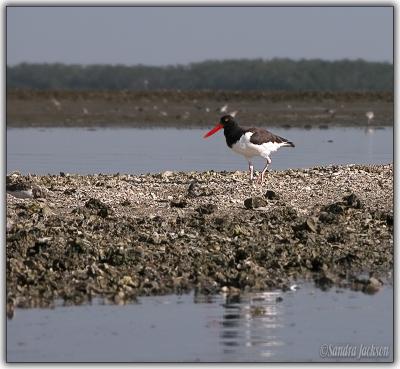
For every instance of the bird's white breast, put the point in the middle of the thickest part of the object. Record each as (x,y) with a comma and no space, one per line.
(249,149)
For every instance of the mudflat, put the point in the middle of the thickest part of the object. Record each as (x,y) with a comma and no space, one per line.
(26,108)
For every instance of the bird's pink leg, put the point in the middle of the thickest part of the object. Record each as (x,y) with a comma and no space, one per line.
(264,170)
(251,170)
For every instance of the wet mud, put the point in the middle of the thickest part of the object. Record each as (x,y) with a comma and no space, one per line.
(196,108)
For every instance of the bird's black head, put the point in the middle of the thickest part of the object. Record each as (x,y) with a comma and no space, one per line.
(227,120)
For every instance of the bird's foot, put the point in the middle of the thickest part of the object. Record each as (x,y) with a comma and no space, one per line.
(257,179)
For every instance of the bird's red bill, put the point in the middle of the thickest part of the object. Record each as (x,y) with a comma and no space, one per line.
(215,129)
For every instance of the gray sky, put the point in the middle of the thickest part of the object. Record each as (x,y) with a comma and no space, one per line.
(179,35)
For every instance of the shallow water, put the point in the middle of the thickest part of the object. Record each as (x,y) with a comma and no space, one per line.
(307,325)
(78,150)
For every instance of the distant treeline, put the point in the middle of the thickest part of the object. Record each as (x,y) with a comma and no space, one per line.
(269,75)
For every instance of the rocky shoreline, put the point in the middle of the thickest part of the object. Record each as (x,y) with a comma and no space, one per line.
(186,109)
(75,238)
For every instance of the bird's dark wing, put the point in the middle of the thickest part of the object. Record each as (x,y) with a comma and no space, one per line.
(261,136)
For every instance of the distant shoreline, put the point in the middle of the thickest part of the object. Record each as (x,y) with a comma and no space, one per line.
(195,109)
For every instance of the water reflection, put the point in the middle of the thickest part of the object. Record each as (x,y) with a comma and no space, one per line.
(268,326)
(251,322)
(370,132)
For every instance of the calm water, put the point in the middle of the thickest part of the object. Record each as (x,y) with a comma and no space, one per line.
(192,328)
(75,150)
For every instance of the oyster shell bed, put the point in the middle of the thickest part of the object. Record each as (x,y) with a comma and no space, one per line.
(120,236)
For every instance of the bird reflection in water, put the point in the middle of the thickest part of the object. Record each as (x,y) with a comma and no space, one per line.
(251,322)
(370,129)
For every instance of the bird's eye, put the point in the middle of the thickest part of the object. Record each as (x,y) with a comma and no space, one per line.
(226,119)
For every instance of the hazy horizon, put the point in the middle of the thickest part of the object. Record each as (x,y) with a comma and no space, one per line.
(202,61)
(165,36)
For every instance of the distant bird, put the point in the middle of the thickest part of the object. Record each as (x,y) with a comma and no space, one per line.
(250,142)
(370,115)
(85,111)
(331,112)
(56,103)
(224,109)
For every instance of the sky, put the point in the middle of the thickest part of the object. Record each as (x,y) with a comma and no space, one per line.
(181,35)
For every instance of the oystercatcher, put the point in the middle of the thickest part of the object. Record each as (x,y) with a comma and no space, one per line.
(250,142)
